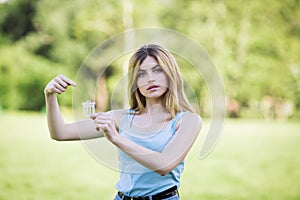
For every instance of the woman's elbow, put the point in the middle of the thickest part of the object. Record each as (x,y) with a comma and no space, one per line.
(56,138)
(164,171)
(59,134)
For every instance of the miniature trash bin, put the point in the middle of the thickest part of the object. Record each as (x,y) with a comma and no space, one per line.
(88,108)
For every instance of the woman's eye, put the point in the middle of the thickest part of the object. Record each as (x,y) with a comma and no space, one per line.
(157,70)
(141,74)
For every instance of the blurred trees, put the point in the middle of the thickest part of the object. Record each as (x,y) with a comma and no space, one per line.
(254,44)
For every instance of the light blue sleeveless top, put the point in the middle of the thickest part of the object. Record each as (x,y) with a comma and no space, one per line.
(137,180)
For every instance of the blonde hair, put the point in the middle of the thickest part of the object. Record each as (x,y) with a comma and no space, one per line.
(174,100)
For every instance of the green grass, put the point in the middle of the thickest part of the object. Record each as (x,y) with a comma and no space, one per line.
(252,160)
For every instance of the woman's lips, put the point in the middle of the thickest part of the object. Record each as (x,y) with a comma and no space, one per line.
(152,87)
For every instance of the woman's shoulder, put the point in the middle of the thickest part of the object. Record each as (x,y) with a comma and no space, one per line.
(189,116)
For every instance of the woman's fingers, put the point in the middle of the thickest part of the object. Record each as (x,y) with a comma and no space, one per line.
(103,120)
(93,116)
(55,90)
(55,87)
(60,87)
(102,115)
(59,84)
(65,81)
(105,123)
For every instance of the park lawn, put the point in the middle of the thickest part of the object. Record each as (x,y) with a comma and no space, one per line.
(254,159)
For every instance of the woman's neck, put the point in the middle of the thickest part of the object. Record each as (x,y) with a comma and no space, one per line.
(152,118)
(154,105)
(156,108)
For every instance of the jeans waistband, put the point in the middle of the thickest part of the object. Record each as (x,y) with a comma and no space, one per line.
(162,195)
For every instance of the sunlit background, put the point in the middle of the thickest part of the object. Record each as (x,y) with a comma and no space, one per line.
(255,45)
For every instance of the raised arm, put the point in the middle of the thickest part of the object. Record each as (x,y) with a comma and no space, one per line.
(161,162)
(59,130)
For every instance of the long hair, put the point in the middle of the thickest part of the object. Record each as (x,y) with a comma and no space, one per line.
(174,99)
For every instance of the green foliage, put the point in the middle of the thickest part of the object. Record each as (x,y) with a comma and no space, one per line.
(96,21)
(23,78)
(16,18)
(254,44)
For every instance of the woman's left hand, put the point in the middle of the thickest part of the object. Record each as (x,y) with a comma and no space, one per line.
(105,122)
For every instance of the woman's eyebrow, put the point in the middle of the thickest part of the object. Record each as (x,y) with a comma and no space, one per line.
(157,65)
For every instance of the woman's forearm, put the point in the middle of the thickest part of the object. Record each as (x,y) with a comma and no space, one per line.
(174,152)
(153,160)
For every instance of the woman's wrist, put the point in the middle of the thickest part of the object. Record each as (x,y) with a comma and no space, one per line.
(48,93)
(116,139)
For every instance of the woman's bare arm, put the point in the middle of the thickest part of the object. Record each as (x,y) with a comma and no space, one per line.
(59,130)
(161,162)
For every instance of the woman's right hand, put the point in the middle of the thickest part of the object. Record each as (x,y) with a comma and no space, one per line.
(58,85)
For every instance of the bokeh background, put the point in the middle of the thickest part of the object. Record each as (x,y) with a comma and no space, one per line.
(255,45)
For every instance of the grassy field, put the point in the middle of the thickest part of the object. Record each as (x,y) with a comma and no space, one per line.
(253,160)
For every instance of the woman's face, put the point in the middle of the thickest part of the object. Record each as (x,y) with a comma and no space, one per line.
(151,79)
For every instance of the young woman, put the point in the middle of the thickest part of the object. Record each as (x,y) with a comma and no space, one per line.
(153,137)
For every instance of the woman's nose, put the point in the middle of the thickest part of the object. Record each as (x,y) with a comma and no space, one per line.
(150,78)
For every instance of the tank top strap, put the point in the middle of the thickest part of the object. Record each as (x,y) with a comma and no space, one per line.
(130,114)
(127,119)
(174,121)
